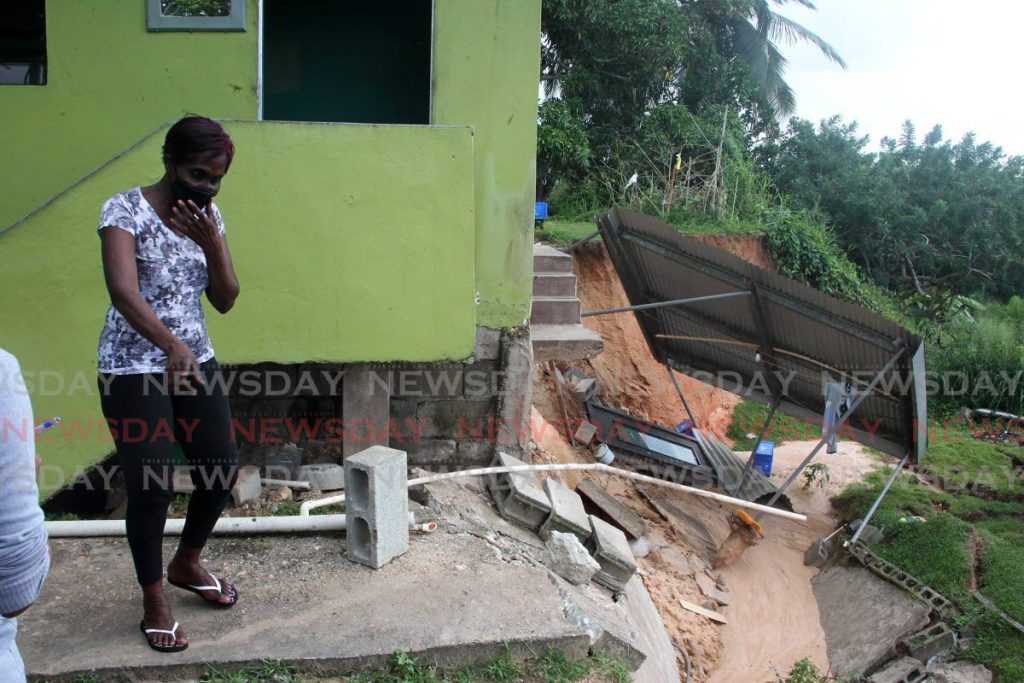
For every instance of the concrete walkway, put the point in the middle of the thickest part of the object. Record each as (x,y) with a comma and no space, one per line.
(459,595)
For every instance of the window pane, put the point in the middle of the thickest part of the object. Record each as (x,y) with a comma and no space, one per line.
(195,8)
(656,445)
(23,43)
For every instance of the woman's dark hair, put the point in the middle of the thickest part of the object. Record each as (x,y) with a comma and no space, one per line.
(193,136)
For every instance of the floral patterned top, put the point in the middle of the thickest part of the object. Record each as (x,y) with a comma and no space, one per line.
(172,278)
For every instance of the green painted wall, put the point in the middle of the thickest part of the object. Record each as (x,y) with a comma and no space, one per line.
(109,83)
(352,242)
(486,65)
(331,266)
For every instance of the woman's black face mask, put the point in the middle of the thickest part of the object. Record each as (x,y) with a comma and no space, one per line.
(185,192)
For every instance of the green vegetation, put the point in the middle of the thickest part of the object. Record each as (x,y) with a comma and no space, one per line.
(804,671)
(180,502)
(939,551)
(552,666)
(748,417)
(287,508)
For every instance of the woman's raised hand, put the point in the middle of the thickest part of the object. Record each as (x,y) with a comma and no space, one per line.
(197,224)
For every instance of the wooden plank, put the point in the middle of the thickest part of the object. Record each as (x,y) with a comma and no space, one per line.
(624,518)
(697,609)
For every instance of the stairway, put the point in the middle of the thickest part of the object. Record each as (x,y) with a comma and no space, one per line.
(555,316)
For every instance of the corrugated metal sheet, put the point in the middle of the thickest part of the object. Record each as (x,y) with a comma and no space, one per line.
(785,339)
(729,469)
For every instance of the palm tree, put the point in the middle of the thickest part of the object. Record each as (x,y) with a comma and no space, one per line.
(758,31)
(749,32)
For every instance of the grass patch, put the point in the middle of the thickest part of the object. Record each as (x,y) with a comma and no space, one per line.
(60,517)
(564,233)
(552,666)
(180,502)
(973,465)
(935,551)
(287,508)
(748,417)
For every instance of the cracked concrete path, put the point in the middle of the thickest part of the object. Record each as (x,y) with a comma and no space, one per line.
(459,595)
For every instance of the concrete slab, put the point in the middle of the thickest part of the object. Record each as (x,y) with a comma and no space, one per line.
(863,618)
(567,513)
(620,515)
(458,595)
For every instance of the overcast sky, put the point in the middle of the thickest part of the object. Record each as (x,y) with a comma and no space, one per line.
(932,61)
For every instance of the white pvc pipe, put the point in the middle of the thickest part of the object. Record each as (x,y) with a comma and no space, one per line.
(225,525)
(598,467)
(304,485)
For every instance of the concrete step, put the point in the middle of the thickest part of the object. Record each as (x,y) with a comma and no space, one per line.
(554,284)
(549,260)
(555,310)
(564,342)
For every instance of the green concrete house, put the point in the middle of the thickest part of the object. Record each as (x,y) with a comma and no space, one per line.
(379,207)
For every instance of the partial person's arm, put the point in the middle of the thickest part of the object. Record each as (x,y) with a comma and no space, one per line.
(122,278)
(24,556)
(203,228)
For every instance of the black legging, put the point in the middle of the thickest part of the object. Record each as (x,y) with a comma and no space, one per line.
(146,422)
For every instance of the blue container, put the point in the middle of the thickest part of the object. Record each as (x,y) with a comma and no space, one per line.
(540,211)
(764,456)
(685,427)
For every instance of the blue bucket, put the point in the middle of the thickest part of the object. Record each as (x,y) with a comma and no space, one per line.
(540,211)
(763,457)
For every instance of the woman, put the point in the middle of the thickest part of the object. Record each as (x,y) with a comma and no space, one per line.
(164,246)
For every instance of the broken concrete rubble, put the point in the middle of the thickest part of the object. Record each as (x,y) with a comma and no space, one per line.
(566,556)
(248,486)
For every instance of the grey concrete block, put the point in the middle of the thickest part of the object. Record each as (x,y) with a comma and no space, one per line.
(519,495)
(585,433)
(475,452)
(610,548)
(483,379)
(871,535)
(567,513)
(901,670)
(818,553)
(454,418)
(365,407)
(283,462)
(323,477)
(431,451)
(428,381)
(933,640)
(488,342)
(248,485)
(376,506)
